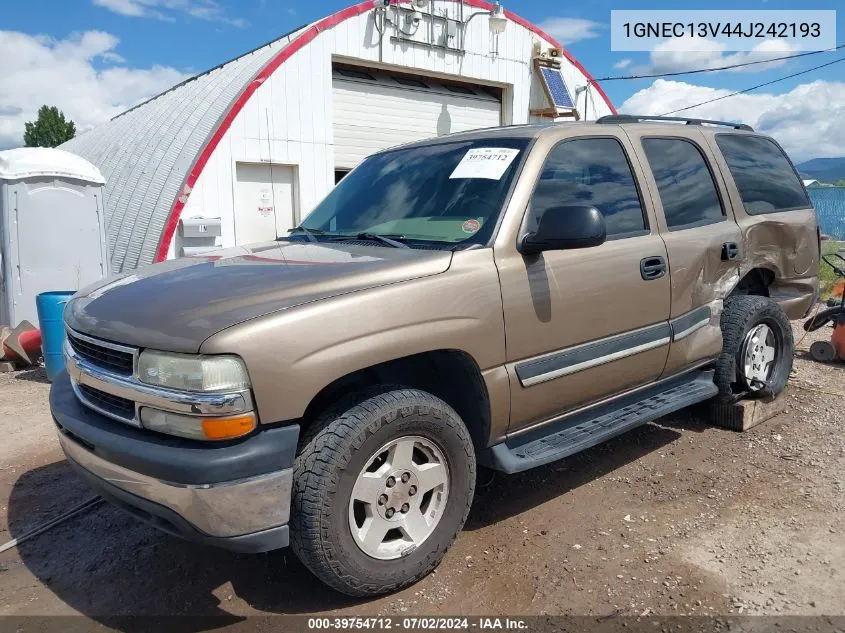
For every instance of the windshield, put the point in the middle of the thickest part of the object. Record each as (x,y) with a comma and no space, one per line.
(448,193)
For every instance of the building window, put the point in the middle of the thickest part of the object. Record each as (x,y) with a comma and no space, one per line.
(355,74)
(463,90)
(340,174)
(412,83)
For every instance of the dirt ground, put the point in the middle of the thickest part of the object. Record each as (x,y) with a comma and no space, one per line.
(674,518)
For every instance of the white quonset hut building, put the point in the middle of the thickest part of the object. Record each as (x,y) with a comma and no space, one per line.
(239,154)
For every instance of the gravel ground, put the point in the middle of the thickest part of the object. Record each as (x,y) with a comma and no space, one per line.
(676,517)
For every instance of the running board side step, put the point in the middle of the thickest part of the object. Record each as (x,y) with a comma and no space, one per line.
(585,429)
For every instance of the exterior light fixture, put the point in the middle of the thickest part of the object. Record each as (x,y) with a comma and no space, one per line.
(498,19)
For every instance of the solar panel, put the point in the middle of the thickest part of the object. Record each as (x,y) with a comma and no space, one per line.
(560,94)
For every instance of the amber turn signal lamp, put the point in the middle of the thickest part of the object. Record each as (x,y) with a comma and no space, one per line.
(228,428)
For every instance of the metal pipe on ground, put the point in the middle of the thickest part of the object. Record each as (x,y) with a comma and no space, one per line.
(82,507)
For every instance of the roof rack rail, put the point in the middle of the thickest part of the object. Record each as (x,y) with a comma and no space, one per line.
(633,118)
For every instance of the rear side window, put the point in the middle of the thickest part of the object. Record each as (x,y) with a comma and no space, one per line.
(592,171)
(686,186)
(763,174)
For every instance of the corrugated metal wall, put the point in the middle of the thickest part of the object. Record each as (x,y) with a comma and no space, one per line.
(146,153)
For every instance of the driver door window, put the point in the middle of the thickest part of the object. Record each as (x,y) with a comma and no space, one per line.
(591,171)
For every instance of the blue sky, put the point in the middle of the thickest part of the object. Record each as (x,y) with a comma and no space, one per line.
(139,46)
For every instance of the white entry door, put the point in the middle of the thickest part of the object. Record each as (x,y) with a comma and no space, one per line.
(264,202)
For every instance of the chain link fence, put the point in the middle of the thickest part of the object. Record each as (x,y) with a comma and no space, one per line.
(830,206)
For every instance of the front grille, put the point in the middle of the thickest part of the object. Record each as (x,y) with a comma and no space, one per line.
(103,356)
(108,403)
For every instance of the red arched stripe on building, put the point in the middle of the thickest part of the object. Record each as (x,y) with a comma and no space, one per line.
(286,53)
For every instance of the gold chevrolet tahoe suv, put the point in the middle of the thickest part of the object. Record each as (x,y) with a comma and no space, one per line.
(503,297)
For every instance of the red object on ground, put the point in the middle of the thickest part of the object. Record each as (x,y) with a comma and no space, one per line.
(22,345)
(31,341)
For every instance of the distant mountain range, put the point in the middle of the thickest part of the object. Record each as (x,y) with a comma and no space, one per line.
(829,170)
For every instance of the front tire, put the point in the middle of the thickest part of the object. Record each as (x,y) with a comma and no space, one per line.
(757,350)
(383,483)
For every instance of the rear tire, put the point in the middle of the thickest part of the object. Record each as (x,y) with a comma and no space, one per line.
(359,449)
(754,328)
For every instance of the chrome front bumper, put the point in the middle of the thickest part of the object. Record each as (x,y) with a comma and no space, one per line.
(223,510)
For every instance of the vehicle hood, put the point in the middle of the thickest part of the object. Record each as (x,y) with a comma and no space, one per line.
(176,305)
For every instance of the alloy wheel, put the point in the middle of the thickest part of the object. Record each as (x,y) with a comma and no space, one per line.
(399,497)
(759,355)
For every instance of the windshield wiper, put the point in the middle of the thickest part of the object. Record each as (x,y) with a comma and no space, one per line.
(390,240)
(309,233)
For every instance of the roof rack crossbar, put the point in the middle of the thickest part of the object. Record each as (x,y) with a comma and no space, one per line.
(614,119)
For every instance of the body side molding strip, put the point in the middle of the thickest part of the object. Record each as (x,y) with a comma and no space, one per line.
(588,355)
(581,357)
(690,322)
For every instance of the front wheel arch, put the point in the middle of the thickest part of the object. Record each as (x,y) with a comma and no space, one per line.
(449,374)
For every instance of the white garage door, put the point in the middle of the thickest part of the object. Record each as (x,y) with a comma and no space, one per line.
(374,111)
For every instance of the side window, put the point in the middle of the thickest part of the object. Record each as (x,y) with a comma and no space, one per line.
(686,186)
(593,171)
(763,174)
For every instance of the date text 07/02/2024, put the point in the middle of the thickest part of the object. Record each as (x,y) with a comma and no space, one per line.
(417,623)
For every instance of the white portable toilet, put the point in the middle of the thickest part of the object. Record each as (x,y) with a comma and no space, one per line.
(52,228)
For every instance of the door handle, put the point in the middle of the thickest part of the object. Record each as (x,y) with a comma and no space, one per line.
(653,267)
(730,251)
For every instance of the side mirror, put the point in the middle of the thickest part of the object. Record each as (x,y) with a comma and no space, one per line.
(561,228)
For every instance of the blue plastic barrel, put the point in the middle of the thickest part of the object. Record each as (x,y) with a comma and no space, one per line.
(50,306)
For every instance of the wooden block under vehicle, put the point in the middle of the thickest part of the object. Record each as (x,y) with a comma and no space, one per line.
(746,414)
(6,367)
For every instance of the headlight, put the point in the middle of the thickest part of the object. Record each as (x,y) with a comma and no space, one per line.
(192,373)
(197,428)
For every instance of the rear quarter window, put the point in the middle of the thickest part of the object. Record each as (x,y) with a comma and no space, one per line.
(765,178)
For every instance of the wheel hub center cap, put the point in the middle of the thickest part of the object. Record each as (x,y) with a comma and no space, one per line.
(759,356)
(400,493)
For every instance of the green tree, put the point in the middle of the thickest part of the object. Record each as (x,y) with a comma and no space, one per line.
(50,129)
(841,183)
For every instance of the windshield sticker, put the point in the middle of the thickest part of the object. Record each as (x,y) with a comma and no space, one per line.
(471,226)
(489,163)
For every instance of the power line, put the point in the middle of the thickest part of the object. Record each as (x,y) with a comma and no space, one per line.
(768,83)
(719,68)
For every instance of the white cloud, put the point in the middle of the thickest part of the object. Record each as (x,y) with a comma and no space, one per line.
(570,30)
(38,70)
(123,7)
(807,121)
(622,64)
(686,53)
(209,10)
